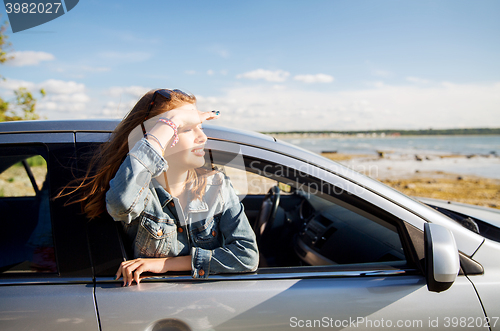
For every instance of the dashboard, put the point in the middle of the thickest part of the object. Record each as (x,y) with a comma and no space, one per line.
(333,234)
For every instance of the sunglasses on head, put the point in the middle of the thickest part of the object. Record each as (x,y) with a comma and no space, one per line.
(167,94)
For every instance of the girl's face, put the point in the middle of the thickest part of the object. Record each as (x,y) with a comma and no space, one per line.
(189,152)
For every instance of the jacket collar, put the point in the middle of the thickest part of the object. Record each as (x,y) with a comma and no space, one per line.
(162,195)
(197,206)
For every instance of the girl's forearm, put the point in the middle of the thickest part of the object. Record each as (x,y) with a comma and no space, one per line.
(160,136)
(178,263)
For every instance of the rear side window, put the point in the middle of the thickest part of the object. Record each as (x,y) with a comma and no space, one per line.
(26,242)
(17,181)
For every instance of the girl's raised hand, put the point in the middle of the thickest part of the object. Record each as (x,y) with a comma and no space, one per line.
(189,115)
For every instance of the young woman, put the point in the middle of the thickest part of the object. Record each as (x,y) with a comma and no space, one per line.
(179,216)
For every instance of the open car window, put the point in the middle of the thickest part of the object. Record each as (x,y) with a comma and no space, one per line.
(315,223)
(26,242)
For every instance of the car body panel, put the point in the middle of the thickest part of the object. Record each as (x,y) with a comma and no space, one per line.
(267,304)
(48,307)
(488,284)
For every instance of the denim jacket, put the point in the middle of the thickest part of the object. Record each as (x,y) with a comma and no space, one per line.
(214,230)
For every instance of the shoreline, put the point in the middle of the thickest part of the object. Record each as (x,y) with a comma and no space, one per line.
(425,179)
(379,134)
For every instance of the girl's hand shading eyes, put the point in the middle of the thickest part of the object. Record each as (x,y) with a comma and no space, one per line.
(188,116)
(184,119)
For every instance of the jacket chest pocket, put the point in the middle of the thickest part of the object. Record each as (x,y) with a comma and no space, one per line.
(154,237)
(207,235)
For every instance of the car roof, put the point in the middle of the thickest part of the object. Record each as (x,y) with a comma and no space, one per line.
(96,125)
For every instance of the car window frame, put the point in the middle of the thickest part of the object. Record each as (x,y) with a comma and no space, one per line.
(25,150)
(72,257)
(410,266)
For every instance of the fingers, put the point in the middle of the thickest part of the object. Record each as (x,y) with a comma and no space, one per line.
(207,116)
(130,271)
(119,272)
(137,274)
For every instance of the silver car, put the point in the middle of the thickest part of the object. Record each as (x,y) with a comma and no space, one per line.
(338,250)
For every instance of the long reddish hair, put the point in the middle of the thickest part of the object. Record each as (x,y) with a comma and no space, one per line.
(109,156)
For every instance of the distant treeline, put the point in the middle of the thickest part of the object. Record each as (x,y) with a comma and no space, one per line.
(471,131)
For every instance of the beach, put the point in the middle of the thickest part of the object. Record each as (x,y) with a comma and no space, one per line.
(449,177)
(461,168)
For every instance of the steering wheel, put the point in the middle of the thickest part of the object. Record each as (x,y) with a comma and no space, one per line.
(267,212)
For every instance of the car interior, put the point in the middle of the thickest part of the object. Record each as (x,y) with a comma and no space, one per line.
(297,225)
(26,238)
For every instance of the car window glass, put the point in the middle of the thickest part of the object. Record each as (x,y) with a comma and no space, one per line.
(338,233)
(314,225)
(248,182)
(26,244)
(17,181)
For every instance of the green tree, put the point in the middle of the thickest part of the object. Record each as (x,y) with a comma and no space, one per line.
(23,106)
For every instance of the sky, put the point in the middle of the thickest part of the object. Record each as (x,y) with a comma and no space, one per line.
(280,65)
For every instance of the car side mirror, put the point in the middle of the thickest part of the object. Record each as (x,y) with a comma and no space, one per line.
(442,262)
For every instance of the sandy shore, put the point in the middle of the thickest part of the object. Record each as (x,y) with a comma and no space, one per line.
(422,179)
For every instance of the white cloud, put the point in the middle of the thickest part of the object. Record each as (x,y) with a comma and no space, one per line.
(127,91)
(318,78)
(29,58)
(377,84)
(386,106)
(123,99)
(210,72)
(417,80)
(190,72)
(62,98)
(268,75)
(381,73)
(114,109)
(54,86)
(14,84)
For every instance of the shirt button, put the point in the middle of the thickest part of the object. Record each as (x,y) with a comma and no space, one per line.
(172,204)
(159,233)
(181,230)
(201,272)
(214,233)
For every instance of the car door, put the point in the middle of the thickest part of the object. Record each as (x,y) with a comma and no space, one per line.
(45,276)
(376,282)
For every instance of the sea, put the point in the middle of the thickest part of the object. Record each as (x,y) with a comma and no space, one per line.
(436,145)
(405,155)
